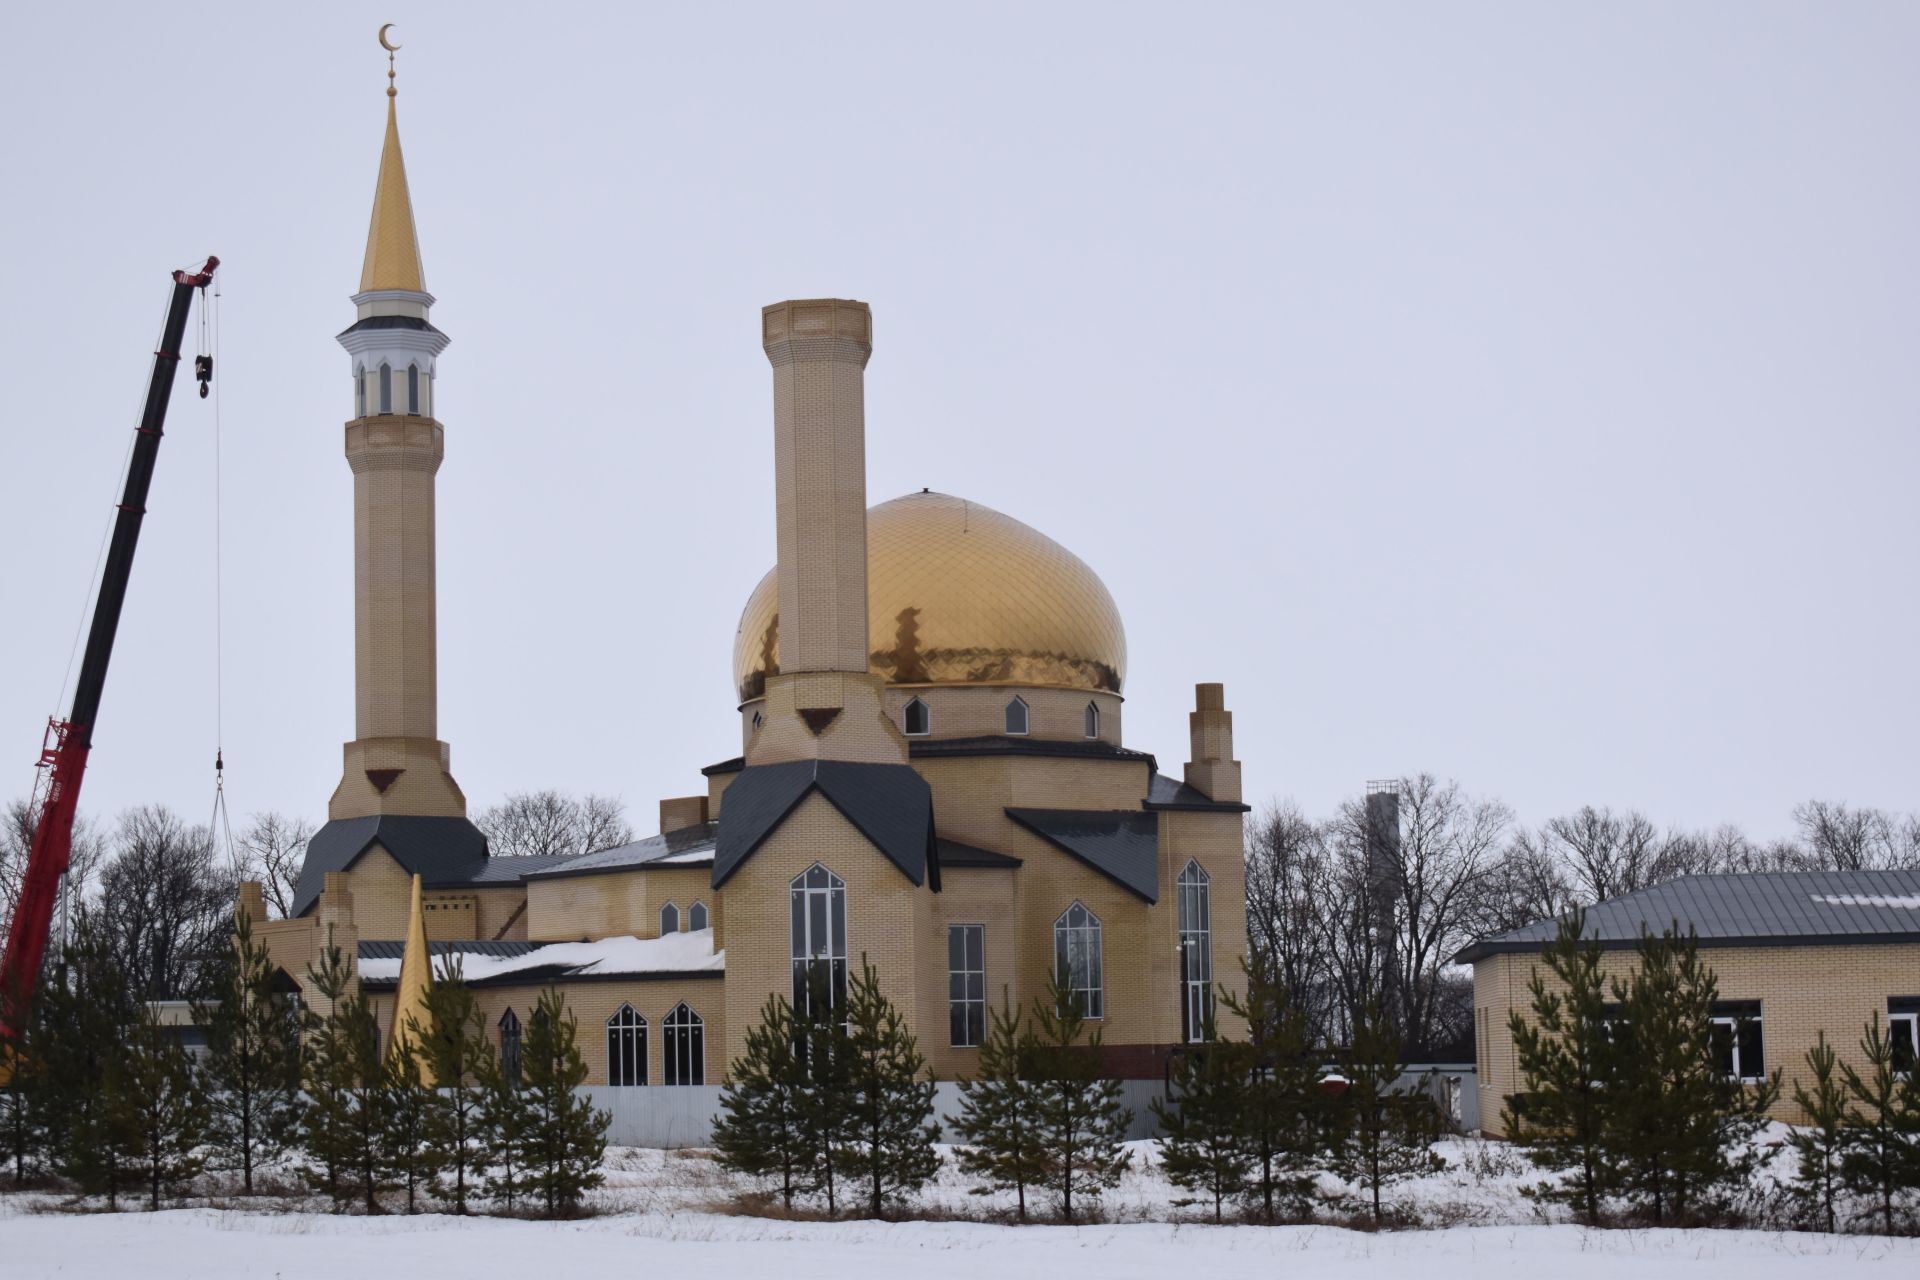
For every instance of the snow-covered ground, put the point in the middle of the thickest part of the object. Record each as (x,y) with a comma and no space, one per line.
(671,1210)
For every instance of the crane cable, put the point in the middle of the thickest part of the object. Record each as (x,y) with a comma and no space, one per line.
(219,825)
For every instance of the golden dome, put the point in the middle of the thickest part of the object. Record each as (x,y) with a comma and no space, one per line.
(959,594)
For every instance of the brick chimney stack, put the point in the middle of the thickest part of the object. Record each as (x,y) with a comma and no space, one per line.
(1211,768)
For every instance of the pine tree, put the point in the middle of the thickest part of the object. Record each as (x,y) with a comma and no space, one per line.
(761,1131)
(157,1101)
(827,1101)
(1679,1131)
(1820,1143)
(87,1018)
(1283,1110)
(1205,1145)
(1881,1164)
(252,1063)
(460,1061)
(1081,1120)
(890,1136)
(1566,1061)
(408,1106)
(22,1126)
(1384,1132)
(999,1120)
(325,1063)
(369,1164)
(503,1133)
(565,1137)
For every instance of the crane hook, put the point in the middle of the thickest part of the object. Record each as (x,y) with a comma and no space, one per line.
(203,370)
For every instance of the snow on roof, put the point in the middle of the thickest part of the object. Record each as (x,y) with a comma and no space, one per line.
(1907,901)
(690,952)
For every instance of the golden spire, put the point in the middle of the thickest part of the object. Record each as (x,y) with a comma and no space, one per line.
(393,250)
(411,1016)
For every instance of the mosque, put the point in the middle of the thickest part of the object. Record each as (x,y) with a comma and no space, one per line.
(933,775)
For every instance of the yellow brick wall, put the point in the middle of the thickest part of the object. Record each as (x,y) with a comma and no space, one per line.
(1802,991)
(571,908)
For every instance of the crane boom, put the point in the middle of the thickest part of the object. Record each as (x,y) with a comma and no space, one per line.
(63,755)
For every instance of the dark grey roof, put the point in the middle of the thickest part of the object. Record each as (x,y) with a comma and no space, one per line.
(734,765)
(1121,844)
(1000,745)
(890,804)
(1767,908)
(1172,793)
(387,322)
(695,839)
(955,854)
(513,870)
(441,851)
(396,949)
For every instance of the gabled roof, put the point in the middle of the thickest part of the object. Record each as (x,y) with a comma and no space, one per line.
(687,847)
(441,851)
(955,854)
(1121,844)
(889,804)
(1753,909)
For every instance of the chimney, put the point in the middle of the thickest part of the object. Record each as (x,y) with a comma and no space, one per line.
(252,905)
(825,703)
(1211,768)
(682,811)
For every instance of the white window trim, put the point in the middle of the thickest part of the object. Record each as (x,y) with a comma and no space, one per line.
(907,711)
(1098,931)
(1912,1020)
(1026,717)
(1090,720)
(678,917)
(1732,1023)
(982,971)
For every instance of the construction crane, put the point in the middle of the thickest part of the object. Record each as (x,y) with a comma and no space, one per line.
(63,755)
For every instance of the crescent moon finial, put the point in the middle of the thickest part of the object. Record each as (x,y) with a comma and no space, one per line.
(391,49)
(384,43)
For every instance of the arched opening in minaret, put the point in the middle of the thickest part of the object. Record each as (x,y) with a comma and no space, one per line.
(413,390)
(386,387)
(359,391)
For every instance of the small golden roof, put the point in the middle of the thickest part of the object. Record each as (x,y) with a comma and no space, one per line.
(393,250)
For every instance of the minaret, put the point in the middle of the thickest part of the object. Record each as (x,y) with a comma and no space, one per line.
(396,763)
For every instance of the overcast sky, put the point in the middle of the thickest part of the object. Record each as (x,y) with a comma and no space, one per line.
(1524,393)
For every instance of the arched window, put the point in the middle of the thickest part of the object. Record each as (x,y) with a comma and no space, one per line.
(510,1047)
(686,1056)
(413,389)
(1196,951)
(1077,963)
(1018,716)
(918,720)
(697,916)
(386,387)
(1090,721)
(359,392)
(818,901)
(626,1047)
(669,920)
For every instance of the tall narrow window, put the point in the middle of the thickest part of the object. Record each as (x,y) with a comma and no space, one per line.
(359,392)
(413,389)
(819,923)
(1196,951)
(626,1047)
(966,984)
(510,1047)
(697,916)
(386,387)
(918,720)
(1077,963)
(1018,716)
(669,920)
(1737,1043)
(1090,721)
(686,1049)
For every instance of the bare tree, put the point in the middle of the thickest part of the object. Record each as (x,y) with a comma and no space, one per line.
(543,823)
(1288,881)
(272,848)
(1838,837)
(166,906)
(1607,854)
(16,840)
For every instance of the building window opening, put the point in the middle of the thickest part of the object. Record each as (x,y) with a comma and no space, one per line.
(359,392)
(818,903)
(1019,717)
(1738,1048)
(1090,721)
(1196,952)
(918,720)
(686,1049)
(697,916)
(669,920)
(626,1047)
(510,1047)
(1077,962)
(966,985)
(1903,1029)
(413,389)
(386,387)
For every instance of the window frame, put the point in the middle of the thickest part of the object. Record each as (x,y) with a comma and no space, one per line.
(1018,706)
(1904,1011)
(627,1045)
(386,387)
(1193,892)
(413,390)
(967,987)
(359,391)
(705,917)
(907,718)
(1738,1017)
(669,912)
(803,947)
(1090,720)
(1090,997)
(684,1047)
(510,1033)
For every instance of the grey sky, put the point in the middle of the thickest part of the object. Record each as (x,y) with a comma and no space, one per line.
(1520,392)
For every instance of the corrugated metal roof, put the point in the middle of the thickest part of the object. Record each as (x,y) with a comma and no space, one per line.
(1754,908)
(674,844)
(385,949)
